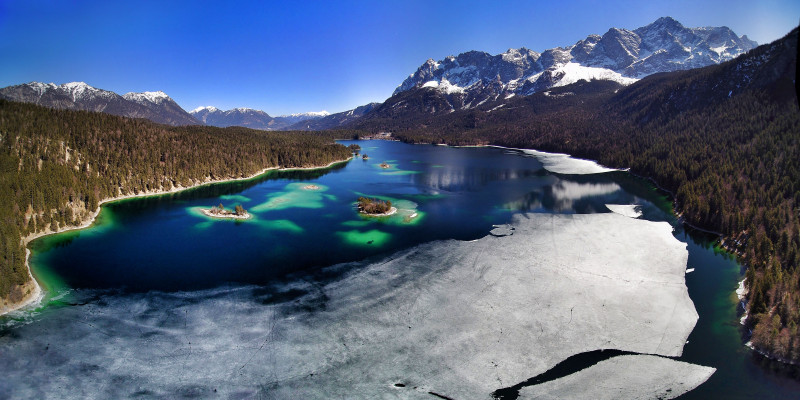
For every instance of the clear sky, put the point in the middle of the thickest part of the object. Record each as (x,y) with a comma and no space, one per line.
(291,56)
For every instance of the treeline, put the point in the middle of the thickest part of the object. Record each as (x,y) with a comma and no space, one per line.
(57,165)
(724,139)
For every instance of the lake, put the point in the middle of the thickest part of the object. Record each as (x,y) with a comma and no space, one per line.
(306,221)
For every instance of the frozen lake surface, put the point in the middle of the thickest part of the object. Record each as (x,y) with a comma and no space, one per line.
(457,318)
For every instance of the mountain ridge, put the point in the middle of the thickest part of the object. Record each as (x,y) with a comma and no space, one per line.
(475,77)
(251,118)
(155,106)
(471,80)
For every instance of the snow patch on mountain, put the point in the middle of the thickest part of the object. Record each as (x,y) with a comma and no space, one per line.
(243,110)
(444,86)
(205,108)
(147,97)
(77,90)
(310,114)
(573,72)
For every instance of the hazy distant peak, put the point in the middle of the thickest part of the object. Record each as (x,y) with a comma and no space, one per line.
(317,114)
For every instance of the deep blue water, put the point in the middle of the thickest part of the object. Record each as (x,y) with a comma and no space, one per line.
(306,220)
(165,243)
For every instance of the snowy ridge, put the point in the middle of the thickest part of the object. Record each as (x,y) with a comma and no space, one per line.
(147,97)
(243,110)
(155,106)
(573,72)
(206,108)
(77,90)
(310,114)
(619,55)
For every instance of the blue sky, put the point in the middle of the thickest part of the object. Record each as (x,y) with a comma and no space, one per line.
(285,56)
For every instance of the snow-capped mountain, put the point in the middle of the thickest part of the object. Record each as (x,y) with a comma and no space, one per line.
(147,97)
(246,117)
(155,106)
(251,118)
(168,111)
(297,117)
(331,121)
(202,113)
(73,95)
(470,79)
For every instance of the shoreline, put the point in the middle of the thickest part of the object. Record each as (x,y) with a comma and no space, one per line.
(391,211)
(207,212)
(37,294)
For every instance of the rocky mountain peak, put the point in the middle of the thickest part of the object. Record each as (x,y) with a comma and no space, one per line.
(622,55)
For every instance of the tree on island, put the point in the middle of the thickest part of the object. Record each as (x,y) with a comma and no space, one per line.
(364,157)
(239,210)
(373,206)
(354,148)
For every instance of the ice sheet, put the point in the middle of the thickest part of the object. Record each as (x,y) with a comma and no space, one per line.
(624,377)
(628,210)
(460,319)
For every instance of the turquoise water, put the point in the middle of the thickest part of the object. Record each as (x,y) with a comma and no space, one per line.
(304,221)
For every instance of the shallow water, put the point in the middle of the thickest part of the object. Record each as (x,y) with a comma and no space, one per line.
(161,250)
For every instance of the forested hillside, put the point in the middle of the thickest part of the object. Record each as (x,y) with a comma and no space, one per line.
(57,165)
(725,139)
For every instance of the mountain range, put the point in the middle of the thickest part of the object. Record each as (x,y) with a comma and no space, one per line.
(470,80)
(250,118)
(155,106)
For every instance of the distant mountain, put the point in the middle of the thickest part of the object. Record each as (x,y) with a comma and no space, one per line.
(250,118)
(155,106)
(333,121)
(471,79)
(295,118)
(166,109)
(246,117)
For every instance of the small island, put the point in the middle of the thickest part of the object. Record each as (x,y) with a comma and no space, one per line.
(311,187)
(375,207)
(384,165)
(220,212)
(365,157)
